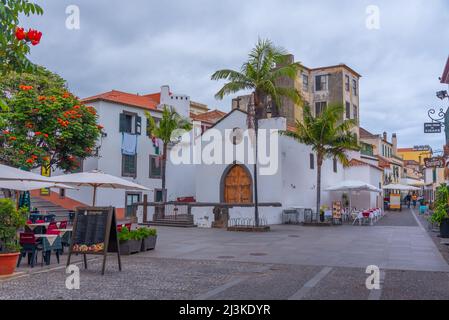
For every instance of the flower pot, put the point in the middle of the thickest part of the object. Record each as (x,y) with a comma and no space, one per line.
(8,262)
(149,243)
(444,228)
(130,247)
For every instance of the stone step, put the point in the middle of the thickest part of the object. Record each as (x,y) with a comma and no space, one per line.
(166,223)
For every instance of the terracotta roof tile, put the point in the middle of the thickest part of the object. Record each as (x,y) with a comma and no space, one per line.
(145,101)
(366,134)
(360,163)
(210,117)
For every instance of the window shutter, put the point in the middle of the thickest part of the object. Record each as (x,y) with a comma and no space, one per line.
(122,122)
(138,125)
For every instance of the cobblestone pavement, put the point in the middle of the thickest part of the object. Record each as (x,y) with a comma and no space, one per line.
(151,276)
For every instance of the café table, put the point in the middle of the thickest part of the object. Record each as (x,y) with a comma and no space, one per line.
(50,242)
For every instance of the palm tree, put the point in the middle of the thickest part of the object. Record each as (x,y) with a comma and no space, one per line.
(266,65)
(261,74)
(328,136)
(165,130)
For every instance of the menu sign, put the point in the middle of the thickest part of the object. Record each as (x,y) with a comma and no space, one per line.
(336,210)
(95,232)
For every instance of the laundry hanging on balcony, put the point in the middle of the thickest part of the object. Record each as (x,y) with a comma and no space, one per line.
(156,145)
(129,144)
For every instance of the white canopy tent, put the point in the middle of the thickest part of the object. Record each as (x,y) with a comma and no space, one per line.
(400,187)
(97,179)
(353,185)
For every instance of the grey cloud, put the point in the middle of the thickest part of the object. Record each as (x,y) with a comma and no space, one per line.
(138,46)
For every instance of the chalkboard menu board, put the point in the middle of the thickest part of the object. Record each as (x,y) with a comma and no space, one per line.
(94,232)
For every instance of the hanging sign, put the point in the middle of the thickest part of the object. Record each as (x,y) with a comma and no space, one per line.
(432,127)
(435,162)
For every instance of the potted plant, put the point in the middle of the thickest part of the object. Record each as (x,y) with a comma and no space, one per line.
(440,215)
(149,237)
(11,220)
(130,241)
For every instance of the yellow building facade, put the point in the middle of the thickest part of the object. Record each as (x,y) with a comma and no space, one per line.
(418,153)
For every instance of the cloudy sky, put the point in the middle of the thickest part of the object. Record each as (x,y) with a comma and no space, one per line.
(139,45)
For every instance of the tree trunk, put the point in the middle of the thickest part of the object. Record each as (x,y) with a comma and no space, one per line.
(260,108)
(163,173)
(257,116)
(318,184)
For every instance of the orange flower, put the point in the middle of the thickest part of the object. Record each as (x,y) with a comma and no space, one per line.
(6,132)
(25,88)
(46,159)
(42,98)
(38,133)
(45,135)
(76,107)
(12,138)
(100,127)
(66,95)
(30,161)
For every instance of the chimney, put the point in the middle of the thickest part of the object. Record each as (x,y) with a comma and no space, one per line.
(385,136)
(394,141)
(165,93)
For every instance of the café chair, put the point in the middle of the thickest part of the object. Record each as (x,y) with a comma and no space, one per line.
(30,246)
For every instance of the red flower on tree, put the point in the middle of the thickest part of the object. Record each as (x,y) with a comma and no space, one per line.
(34,36)
(20,34)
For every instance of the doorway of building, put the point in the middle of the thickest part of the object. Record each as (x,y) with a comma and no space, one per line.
(131,198)
(237,185)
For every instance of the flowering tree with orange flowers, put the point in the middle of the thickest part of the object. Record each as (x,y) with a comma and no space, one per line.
(41,129)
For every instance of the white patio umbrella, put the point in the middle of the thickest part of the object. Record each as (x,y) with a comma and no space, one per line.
(18,185)
(353,185)
(400,187)
(10,173)
(97,179)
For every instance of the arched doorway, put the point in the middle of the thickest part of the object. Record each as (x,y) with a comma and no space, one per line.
(237,185)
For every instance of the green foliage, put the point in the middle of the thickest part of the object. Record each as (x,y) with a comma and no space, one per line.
(11,220)
(441,204)
(261,73)
(13,53)
(44,124)
(45,82)
(146,232)
(125,234)
(328,136)
(170,123)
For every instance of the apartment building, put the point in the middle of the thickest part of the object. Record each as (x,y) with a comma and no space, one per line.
(386,152)
(319,87)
